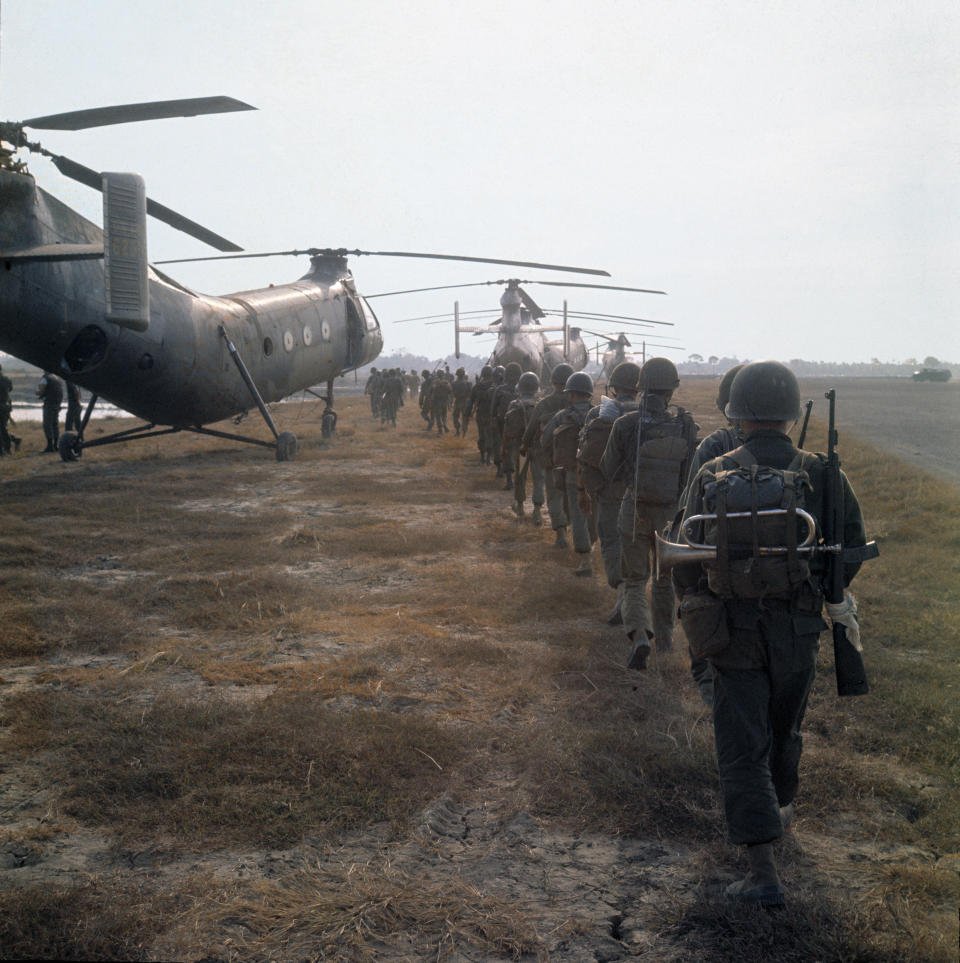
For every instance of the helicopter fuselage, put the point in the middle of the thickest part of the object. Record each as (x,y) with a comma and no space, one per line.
(178,371)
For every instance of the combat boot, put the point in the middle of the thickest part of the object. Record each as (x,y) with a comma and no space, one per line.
(761,885)
(561,541)
(584,567)
(639,655)
(537,517)
(518,509)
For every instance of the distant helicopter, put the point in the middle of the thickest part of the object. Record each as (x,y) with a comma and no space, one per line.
(85,303)
(521,337)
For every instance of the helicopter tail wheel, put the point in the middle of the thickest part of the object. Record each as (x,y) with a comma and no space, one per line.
(69,446)
(286,446)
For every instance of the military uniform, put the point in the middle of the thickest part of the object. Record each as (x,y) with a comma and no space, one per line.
(441,395)
(462,389)
(374,388)
(574,415)
(763,677)
(50,390)
(6,406)
(392,399)
(479,405)
(541,464)
(639,520)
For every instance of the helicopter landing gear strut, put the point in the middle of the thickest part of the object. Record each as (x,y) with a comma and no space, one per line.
(70,444)
(328,422)
(286,441)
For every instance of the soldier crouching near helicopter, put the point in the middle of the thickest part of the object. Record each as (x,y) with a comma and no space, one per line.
(597,496)
(764,671)
(541,462)
(50,391)
(650,449)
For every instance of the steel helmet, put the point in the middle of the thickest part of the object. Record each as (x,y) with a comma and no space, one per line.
(723,392)
(461,371)
(579,382)
(528,384)
(512,372)
(486,371)
(659,374)
(560,374)
(764,391)
(626,375)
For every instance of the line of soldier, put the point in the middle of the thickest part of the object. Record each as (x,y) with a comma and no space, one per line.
(630,467)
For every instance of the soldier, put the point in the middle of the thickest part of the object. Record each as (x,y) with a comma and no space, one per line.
(515,421)
(413,383)
(441,394)
(597,496)
(6,407)
(73,407)
(374,388)
(492,441)
(393,389)
(426,388)
(50,390)
(561,435)
(541,464)
(718,443)
(479,404)
(763,676)
(648,449)
(462,390)
(502,396)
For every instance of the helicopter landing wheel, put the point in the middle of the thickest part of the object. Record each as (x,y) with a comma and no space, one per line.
(286,446)
(328,423)
(69,446)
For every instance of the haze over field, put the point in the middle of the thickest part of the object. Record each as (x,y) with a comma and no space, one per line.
(786,172)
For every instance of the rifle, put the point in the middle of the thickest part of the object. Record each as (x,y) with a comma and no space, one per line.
(848,663)
(806,421)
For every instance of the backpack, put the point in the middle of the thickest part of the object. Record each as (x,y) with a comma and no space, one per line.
(515,420)
(566,437)
(740,571)
(663,447)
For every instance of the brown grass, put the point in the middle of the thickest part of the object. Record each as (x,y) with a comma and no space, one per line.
(227,652)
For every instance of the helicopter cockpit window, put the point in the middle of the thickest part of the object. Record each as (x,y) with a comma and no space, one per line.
(369,316)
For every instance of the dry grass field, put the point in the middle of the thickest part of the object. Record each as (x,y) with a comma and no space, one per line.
(350,708)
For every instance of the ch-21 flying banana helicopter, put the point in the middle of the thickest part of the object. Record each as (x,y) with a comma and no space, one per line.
(85,303)
(521,335)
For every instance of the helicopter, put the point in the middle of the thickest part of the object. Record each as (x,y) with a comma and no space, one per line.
(521,337)
(84,302)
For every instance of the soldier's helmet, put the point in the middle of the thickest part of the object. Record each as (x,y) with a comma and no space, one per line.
(373,370)
(512,372)
(528,384)
(461,372)
(764,391)
(560,374)
(486,371)
(498,373)
(626,375)
(659,374)
(580,382)
(424,373)
(723,392)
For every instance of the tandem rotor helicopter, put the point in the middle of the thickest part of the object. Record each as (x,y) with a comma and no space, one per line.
(522,338)
(85,303)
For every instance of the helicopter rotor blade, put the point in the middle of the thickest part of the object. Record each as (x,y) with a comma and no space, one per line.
(608,287)
(614,317)
(344,252)
(89,177)
(128,113)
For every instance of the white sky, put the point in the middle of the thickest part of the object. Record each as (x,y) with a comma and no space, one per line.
(788,172)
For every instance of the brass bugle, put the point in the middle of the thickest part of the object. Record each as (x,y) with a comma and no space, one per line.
(670,553)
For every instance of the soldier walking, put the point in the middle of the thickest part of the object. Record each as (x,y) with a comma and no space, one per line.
(541,463)
(764,671)
(50,391)
(462,389)
(649,449)
(515,422)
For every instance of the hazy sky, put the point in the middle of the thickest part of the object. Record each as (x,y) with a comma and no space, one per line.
(788,172)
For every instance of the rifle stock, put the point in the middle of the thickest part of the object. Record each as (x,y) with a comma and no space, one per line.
(848,662)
